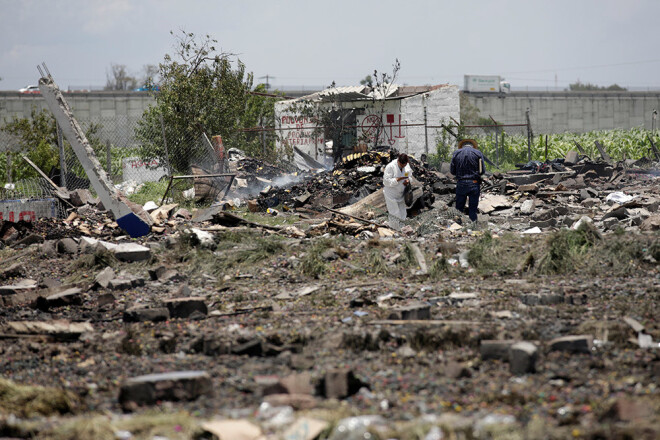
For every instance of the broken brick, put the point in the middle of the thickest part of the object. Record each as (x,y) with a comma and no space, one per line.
(175,386)
(572,344)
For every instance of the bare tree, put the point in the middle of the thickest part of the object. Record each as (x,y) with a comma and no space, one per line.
(119,79)
(382,85)
(149,75)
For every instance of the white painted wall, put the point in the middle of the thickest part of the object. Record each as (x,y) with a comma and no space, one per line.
(398,123)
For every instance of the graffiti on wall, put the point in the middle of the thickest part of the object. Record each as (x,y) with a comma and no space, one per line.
(387,129)
(300,130)
(27,210)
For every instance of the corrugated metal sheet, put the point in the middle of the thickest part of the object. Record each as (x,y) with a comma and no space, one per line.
(356,93)
(347,93)
(385,91)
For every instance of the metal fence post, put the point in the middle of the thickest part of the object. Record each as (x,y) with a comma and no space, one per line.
(529,137)
(108,159)
(8,167)
(498,153)
(60,145)
(426,136)
(497,146)
(167,155)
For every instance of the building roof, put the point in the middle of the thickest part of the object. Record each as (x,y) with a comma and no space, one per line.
(363,92)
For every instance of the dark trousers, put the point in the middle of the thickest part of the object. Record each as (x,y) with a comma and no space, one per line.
(465,189)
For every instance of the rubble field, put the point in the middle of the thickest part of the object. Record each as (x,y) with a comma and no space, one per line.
(538,322)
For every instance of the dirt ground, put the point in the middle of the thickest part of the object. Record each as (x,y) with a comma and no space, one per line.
(357,324)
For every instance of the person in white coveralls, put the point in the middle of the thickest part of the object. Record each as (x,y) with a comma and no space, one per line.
(395,179)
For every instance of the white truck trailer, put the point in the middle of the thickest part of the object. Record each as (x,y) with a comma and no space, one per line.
(485,84)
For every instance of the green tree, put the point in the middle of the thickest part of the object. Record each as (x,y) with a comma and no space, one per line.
(200,90)
(588,87)
(260,112)
(37,139)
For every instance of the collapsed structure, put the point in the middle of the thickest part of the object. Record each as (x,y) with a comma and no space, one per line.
(133,220)
(340,120)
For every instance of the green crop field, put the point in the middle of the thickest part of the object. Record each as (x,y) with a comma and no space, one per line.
(619,144)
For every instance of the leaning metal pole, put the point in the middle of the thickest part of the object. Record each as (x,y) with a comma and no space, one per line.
(126,218)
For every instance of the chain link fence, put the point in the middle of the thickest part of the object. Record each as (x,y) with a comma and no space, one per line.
(503,144)
(132,153)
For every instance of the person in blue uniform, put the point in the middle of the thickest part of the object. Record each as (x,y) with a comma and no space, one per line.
(467,164)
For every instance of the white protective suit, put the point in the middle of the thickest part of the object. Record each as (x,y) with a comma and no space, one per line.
(393,191)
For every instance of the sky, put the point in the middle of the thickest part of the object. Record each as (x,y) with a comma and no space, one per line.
(310,44)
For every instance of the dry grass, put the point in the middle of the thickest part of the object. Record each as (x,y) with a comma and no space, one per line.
(30,401)
(145,426)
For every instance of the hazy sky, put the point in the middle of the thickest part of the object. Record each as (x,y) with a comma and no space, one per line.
(311,43)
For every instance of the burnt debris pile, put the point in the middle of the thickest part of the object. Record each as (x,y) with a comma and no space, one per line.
(353,178)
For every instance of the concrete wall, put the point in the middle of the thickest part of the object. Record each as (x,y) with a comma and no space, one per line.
(558,112)
(86,106)
(115,112)
(550,112)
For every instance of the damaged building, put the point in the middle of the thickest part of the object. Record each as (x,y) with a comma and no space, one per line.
(341,120)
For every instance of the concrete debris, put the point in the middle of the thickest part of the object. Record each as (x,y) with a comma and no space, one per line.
(132,252)
(19,287)
(151,388)
(104,277)
(340,383)
(185,307)
(59,329)
(325,309)
(522,358)
(145,314)
(413,312)
(130,218)
(68,297)
(572,344)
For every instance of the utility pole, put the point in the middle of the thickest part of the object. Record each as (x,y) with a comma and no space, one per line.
(267,82)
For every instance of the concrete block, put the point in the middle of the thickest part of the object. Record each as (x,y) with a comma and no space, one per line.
(143,314)
(132,252)
(81,197)
(522,358)
(300,383)
(495,349)
(184,307)
(104,277)
(67,246)
(340,383)
(68,297)
(572,344)
(175,386)
(412,312)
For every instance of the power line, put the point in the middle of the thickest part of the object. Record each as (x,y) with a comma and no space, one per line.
(596,66)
